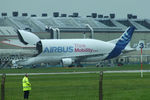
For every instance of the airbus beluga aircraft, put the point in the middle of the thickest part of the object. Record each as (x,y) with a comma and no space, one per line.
(70,51)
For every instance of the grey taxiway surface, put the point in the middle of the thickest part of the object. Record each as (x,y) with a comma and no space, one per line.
(55,73)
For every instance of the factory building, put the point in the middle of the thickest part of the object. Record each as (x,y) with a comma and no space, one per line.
(62,27)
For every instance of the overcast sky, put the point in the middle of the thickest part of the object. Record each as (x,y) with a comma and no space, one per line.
(85,7)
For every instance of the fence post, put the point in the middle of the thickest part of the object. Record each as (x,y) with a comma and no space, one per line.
(3,87)
(101,86)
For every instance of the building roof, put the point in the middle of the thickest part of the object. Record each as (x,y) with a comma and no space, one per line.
(38,24)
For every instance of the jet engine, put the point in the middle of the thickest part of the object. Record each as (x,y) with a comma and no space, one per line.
(67,61)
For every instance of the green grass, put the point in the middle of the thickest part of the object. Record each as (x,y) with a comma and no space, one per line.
(126,87)
(55,87)
(74,69)
(116,86)
(120,86)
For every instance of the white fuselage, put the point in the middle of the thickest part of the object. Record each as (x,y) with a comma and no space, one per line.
(69,51)
(85,50)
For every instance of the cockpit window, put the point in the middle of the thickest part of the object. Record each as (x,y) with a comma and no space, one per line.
(39,47)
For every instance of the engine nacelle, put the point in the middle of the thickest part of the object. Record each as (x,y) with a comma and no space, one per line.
(67,61)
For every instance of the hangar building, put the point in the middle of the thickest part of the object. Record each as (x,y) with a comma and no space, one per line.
(104,28)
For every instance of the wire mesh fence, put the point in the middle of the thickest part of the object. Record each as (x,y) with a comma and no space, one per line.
(116,86)
(55,87)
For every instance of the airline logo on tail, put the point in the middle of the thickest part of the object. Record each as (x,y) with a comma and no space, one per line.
(126,37)
(121,43)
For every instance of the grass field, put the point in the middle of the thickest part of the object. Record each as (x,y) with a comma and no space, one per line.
(74,69)
(116,86)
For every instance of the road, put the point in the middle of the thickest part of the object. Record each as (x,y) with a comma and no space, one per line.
(56,73)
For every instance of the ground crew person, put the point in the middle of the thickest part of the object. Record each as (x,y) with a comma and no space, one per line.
(26,86)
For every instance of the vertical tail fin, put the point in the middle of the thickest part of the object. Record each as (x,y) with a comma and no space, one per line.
(121,43)
(126,37)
